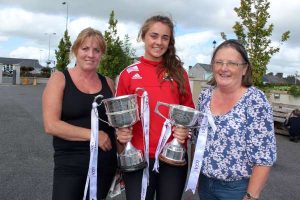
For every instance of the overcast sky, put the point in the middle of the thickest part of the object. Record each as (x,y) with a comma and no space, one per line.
(27,26)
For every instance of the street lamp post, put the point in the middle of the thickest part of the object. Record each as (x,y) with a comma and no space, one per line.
(49,34)
(41,50)
(214,44)
(67,4)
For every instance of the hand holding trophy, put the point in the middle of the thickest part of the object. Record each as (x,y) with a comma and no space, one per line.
(122,112)
(181,116)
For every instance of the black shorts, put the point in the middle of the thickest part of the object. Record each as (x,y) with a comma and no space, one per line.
(168,184)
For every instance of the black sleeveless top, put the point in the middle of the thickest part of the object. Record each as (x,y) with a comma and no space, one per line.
(76,110)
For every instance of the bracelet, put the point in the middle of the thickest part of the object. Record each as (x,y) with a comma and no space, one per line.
(250,197)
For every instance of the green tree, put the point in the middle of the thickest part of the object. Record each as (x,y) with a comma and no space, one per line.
(46,72)
(295,90)
(118,54)
(128,50)
(63,53)
(254,32)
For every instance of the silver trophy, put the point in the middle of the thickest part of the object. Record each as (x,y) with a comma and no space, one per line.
(181,116)
(122,112)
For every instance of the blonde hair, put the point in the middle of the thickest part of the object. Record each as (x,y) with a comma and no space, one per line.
(86,33)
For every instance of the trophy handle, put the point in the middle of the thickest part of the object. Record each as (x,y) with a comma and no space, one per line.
(95,101)
(157,106)
(97,97)
(139,89)
(197,125)
(136,91)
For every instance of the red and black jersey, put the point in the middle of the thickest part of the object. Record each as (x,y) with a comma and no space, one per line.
(144,74)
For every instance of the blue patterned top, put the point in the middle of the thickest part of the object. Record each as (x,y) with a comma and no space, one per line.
(244,137)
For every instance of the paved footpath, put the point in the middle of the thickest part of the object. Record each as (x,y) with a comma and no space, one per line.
(26,162)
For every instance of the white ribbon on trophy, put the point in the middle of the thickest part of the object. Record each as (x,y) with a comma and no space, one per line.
(145,122)
(164,136)
(91,179)
(199,152)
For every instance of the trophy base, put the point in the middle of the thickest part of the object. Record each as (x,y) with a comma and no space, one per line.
(133,168)
(171,161)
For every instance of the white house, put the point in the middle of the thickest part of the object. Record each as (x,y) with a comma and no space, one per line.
(200,71)
(8,64)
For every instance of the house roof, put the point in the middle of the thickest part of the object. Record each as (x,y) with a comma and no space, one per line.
(206,67)
(22,62)
(200,70)
(271,79)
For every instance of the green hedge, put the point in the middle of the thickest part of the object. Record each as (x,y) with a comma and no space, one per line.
(294,90)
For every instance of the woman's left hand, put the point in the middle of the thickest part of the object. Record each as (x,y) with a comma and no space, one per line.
(104,141)
(180,133)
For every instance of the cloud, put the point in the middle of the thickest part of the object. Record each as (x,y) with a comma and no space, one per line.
(16,22)
(3,38)
(284,17)
(195,48)
(77,25)
(28,52)
(286,61)
(23,25)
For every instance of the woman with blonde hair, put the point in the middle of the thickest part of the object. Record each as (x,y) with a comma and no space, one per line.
(67,105)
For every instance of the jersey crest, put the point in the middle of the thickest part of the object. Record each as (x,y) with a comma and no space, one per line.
(132,68)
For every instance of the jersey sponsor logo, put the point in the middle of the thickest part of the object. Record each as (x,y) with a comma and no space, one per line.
(133,68)
(136,76)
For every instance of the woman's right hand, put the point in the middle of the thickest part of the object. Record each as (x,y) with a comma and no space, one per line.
(124,135)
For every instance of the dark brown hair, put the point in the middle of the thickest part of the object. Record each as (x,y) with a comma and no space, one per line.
(171,62)
(247,78)
(296,112)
